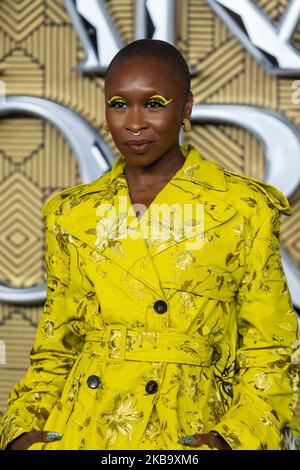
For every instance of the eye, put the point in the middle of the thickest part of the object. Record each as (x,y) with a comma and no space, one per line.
(155,102)
(116,103)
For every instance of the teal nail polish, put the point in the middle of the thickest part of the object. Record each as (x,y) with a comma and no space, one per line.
(53,436)
(186,440)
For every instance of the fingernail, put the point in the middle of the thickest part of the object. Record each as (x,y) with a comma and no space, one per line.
(186,440)
(53,436)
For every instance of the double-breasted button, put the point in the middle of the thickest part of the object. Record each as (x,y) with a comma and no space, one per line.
(151,386)
(93,381)
(160,306)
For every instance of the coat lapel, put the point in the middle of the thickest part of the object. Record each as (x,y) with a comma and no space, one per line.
(196,210)
(101,227)
(103,218)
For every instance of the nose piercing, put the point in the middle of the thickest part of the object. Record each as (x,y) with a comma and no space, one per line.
(136,133)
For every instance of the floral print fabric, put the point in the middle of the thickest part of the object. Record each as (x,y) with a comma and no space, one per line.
(224,355)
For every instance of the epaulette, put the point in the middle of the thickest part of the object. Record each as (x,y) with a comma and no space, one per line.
(55,200)
(274,195)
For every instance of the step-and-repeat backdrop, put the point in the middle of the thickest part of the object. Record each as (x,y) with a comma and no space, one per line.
(244,59)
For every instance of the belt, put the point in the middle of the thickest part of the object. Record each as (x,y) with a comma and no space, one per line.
(117,343)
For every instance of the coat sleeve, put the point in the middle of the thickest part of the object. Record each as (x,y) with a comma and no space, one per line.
(265,389)
(57,339)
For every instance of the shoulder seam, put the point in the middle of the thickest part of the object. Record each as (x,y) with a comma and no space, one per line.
(273,194)
(51,203)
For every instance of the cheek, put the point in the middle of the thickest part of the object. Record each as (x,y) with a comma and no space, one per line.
(110,116)
(165,123)
(170,127)
(116,120)
(115,123)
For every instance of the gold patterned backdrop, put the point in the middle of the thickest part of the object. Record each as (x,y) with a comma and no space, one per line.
(39,51)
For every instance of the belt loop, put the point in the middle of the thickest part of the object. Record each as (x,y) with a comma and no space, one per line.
(123,330)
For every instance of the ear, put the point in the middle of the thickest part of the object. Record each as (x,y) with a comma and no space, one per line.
(188,105)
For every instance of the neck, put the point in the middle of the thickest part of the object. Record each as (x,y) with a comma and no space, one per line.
(157,173)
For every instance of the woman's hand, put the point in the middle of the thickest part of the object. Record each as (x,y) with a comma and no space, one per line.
(28,438)
(211,439)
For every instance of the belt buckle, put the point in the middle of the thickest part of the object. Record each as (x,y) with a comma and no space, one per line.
(123,330)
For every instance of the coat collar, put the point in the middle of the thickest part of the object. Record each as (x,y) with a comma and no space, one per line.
(193,183)
(194,169)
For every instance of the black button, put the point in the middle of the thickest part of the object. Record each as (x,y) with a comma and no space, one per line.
(93,381)
(160,306)
(151,386)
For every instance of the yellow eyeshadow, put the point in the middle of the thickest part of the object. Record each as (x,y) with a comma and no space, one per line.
(164,101)
(160,98)
(113,98)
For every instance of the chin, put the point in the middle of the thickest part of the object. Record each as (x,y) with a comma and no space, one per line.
(142,159)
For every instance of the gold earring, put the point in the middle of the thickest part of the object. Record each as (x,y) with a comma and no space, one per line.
(187,127)
(105,127)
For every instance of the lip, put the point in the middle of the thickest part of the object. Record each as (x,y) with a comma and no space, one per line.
(139,146)
(137,142)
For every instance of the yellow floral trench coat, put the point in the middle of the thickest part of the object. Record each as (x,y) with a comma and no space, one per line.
(143,340)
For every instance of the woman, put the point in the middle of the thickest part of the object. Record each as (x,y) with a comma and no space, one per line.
(168,322)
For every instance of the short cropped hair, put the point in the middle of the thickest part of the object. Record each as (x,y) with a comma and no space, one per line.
(157,50)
